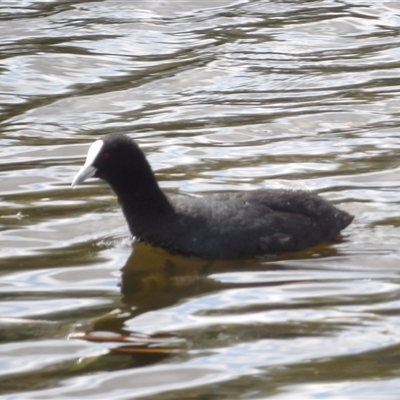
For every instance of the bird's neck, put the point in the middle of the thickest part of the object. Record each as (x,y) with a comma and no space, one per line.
(141,199)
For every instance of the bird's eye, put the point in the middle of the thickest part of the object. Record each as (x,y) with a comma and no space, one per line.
(106,156)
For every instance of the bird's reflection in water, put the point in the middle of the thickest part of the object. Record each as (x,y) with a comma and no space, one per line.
(153,279)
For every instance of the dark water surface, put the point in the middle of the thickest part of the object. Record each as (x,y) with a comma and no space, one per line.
(222,95)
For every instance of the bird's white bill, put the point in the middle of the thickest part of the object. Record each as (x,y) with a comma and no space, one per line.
(87,171)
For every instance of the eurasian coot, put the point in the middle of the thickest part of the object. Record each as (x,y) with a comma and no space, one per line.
(223,225)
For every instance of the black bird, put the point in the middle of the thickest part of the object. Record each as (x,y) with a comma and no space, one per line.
(225,225)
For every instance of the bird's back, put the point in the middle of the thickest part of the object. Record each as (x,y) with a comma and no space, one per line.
(241,224)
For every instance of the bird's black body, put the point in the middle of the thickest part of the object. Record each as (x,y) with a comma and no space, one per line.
(226,225)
